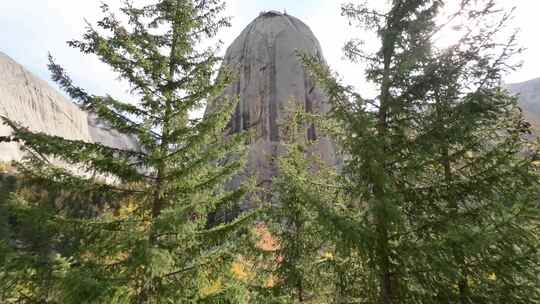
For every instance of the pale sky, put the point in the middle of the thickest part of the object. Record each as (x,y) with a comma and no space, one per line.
(32,28)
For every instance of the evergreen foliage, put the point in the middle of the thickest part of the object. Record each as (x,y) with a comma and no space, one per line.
(304,256)
(130,226)
(441,200)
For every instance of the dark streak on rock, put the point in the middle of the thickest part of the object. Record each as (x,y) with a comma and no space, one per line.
(308,105)
(274,131)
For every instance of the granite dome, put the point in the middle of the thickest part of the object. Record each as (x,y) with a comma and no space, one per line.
(269,79)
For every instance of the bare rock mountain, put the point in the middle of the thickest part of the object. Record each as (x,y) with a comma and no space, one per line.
(529,101)
(26,99)
(271,82)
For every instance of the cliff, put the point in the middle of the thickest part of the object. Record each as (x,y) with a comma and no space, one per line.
(529,101)
(271,82)
(26,99)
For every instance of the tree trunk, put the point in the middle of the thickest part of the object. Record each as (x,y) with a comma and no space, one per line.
(454,208)
(387,293)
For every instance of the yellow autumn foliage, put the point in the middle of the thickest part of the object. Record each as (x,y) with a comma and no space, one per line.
(271,281)
(239,271)
(266,241)
(126,209)
(328,256)
(213,288)
(4,167)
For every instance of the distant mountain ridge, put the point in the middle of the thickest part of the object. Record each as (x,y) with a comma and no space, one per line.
(32,102)
(529,100)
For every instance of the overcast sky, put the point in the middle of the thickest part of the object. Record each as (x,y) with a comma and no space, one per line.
(32,28)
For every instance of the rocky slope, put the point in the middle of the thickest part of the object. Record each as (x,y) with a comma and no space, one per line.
(33,103)
(529,100)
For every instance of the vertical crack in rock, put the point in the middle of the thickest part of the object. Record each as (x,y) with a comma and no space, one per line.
(273,102)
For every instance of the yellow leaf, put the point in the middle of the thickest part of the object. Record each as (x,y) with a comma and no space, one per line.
(213,288)
(266,241)
(271,282)
(328,256)
(240,272)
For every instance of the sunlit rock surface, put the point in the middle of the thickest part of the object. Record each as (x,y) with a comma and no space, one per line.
(32,102)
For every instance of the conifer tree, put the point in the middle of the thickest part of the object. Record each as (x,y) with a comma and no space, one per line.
(303,270)
(143,236)
(441,198)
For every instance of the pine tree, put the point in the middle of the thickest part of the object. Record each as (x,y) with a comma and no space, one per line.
(441,198)
(130,226)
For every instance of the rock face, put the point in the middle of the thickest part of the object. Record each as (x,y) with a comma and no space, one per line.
(529,101)
(270,82)
(33,103)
